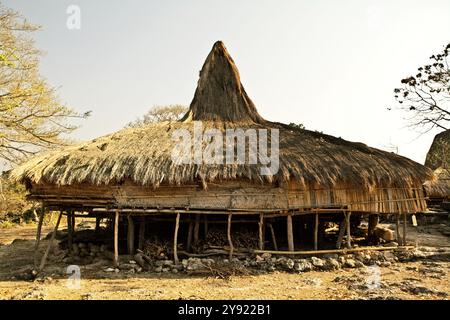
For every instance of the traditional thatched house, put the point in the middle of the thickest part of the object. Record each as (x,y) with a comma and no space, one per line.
(133,173)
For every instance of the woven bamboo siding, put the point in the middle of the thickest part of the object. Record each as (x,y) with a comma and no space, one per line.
(235,195)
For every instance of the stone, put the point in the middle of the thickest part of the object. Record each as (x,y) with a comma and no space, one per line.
(109,269)
(158,269)
(165,269)
(317,262)
(167,262)
(258,258)
(385,264)
(332,264)
(350,263)
(266,256)
(174,270)
(289,263)
(388,255)
(303,265)
(359,264)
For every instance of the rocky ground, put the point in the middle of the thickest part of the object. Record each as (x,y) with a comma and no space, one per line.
(420,273)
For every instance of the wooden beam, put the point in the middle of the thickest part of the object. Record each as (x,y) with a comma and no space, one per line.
(397,227)
(38,235)
(49,247)
(316,230)
(141,233)
(349,237)
(274,239)
(290,233)
(130,235)
(230,242)
(175,239)
(116,239)
(261,233)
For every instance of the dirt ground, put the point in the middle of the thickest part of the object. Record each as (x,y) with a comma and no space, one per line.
(420,279)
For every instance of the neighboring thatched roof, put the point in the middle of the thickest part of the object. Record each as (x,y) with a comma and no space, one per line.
(439,153)
(440,186)
(143,154)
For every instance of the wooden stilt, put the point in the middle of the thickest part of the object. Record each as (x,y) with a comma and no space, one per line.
(316,231)
(272,233)
(69,230)
(206,225)
(73,222)
(116,239)
(342,227)
(97,224)
(189,236)
(141,233)
(290,233)
(397,227)
(404,228)
(373,222)
(261,233)
(196,228)
(230,242)
(49,247)
(349,237)
(175,239)
(38,235)
(130,235)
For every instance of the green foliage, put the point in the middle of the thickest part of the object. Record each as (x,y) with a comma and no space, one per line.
(296,126)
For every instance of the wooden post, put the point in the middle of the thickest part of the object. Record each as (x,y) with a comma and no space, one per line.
(290,233)
(49,247)
(316,231)
(196,228)
(230,242)
(116,239)
(404,228)
(38,235)
(261,233)
(342,227)
(373,222)
(189,236)
(141,233)
(130,235)
(206,226)
(73,222)
(397,227)
(69,230)
(175,239)
(349,239)
(97,224)
(274,240)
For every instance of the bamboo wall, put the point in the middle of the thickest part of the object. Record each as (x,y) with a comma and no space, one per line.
(232,195)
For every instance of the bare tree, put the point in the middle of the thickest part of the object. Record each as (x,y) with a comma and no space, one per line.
(31,117)
(426,95)
(161,113)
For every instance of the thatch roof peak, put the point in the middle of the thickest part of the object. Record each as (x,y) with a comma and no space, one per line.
(220,95)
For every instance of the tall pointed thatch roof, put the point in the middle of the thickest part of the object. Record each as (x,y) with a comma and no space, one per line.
(439,153)
(143,155)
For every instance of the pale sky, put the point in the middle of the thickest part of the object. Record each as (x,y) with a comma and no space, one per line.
(331,65)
